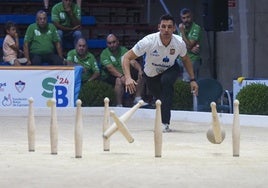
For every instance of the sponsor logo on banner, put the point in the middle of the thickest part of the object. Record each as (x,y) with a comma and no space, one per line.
(17,86)
(55,87)
(2,85)
(7,101)
(20,85)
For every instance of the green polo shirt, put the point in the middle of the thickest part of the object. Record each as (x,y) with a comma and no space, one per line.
(89,63)
(108,58)
(41,41)
(194,33)
(59,15)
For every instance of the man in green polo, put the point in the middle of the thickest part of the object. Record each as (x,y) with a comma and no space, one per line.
(191,35)
(81,56)
(41,41)
(66,16)
(111,61)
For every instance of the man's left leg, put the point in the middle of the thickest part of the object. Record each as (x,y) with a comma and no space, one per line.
(168,79)
(53,59)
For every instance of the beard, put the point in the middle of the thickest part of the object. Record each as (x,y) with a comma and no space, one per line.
(187,24)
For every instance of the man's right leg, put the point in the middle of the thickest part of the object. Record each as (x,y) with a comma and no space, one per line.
(119,91)
(36,59)
(118,97)
(52,59)
(60,33)
(55,59)
(153,85)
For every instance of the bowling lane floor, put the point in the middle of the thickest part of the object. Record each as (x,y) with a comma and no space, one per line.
(188,158)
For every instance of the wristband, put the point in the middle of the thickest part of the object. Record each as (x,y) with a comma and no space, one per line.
(192,80)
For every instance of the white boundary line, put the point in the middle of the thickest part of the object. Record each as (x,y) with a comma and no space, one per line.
(187,116)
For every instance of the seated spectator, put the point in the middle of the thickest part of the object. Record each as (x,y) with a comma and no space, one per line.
(112,69)
(11,45)
(66,16)
(81,56)
(40,41)
(46,4)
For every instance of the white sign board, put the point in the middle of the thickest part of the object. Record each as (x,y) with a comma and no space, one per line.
(17,86)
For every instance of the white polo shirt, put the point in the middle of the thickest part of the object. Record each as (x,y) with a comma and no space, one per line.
(158,57)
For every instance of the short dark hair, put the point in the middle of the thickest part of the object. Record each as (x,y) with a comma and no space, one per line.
(9,24)
(167,17)
(185,11)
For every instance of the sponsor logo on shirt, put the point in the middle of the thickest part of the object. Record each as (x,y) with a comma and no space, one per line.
(112,58)
(165,59)
(62,15)
(155,53)
(37,33)
(172,51)
(75,59)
